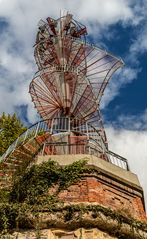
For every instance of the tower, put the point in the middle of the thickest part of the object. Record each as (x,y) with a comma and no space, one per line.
(66,91)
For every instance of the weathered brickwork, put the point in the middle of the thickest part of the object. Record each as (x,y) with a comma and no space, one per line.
(138,205)
(92,190)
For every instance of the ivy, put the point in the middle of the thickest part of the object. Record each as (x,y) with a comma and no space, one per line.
(29,192)
(71,173)
(39,178)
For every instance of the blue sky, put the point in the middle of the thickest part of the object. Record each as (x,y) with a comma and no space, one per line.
(131,99)
(120,26)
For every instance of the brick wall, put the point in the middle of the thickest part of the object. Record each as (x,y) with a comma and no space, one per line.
(92,190)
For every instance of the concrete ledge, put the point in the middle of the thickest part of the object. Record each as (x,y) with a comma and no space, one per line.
(102,165)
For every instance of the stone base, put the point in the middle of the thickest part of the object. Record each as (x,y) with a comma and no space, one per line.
(80,233)
(71,222)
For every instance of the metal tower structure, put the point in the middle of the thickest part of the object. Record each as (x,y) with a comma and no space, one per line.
(66,91)
(72,74)
(71,78)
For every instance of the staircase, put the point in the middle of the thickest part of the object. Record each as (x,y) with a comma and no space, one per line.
(55,136)
(20,156)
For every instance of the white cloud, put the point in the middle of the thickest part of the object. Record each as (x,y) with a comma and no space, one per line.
(16,71)
(106,12)
(133,146)
(120,79)
(132,58)
(103,11)
(133,122)
(139,45)
(131,142)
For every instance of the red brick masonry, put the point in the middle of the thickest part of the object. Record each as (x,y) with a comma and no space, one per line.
(105,193)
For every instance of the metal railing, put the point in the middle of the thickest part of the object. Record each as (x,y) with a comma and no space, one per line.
(118,160)
(111,157)
(64,149)
(60,139)
(55,126)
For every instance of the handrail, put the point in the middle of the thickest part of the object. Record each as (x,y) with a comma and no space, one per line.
(49,125)
(94,143)
(84,148)
(113,158)
(122,159)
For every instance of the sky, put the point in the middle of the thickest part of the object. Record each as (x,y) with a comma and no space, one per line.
(119,26)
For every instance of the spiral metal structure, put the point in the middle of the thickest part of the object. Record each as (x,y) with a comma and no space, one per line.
(66,91)
(72,74)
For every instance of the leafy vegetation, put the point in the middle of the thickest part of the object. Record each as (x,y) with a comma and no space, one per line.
(29,191)
(39,178)
(10,128)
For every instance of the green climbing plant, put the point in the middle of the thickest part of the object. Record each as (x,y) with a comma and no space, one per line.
(36,181)
(29,191)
